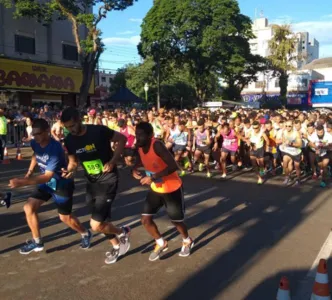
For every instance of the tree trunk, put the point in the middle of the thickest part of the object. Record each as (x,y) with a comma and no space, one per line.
(283,82)
(89,62)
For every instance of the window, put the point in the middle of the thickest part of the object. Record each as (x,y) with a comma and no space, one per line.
(69,52)
(103,79)
(110,80)
(277,84)
(25,44)
(304,82)
(259,84)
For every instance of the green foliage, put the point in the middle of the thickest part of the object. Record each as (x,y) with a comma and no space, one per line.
(176,87)
(283,56)
(118,81)
(200,34)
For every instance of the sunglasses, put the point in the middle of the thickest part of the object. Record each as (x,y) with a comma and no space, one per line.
(289,126)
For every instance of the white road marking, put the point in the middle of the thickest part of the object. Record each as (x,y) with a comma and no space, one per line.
(324,253)
(305,285)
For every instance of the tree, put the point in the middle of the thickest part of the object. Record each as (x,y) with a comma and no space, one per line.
(175,86)
(283,56)
(198,34)
(119,80)
(240,68)
(79,13)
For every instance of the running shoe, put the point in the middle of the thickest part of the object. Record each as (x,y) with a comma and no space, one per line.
(201,167)
(124,240)
(32,246)
(7,200)
(186,248)
(223,175)
(208,175)
(112,256)
(322,184)
(314,176)
(86,240)
(182,173)
(155,254)
(297,182)
(260,181)
(286,181)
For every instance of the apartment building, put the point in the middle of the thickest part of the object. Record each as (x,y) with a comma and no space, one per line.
(38,62)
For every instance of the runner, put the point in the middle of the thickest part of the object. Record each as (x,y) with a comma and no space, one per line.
(50,157)
(166,189)
(129,133)
(291,150)
(91,145)
(230,146)
(256,140)
(321,142)
(201,146)
(180,148)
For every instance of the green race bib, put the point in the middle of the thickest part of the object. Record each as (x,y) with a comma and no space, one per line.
(93,167)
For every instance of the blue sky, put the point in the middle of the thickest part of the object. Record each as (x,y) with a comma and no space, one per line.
(121,30)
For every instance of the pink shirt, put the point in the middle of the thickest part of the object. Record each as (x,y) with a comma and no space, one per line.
(230,141)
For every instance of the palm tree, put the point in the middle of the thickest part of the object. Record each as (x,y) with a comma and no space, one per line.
(283,56)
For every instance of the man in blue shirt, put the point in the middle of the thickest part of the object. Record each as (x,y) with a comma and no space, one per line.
(50,157)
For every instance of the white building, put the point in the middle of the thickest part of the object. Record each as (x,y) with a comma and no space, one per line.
(39,62)
(322,66)
(307,51)
(104,79)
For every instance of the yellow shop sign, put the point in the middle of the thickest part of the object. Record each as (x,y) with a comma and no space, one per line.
(32,76)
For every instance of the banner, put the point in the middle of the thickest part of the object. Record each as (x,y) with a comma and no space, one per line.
(15,74)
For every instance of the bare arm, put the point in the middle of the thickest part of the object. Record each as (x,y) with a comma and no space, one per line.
(266,139)
(121,141)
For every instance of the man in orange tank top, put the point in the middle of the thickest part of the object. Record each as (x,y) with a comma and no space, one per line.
(166,189)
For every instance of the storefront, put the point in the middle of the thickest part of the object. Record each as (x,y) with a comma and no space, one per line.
(27,83)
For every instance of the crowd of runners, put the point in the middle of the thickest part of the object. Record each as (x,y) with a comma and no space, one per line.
(160,147)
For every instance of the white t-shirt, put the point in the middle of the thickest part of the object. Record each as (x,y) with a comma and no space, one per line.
(326,140)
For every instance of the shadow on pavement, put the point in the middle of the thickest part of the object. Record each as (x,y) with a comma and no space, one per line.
(300,285)
(264,214)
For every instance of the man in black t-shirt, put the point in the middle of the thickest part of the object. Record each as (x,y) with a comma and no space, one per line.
(91,146)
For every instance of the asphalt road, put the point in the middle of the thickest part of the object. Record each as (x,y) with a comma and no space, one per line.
(247,236)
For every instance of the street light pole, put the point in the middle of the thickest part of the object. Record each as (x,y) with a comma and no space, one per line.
(146,89)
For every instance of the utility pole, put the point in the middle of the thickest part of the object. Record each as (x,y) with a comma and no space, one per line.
(158,82)
(156,57)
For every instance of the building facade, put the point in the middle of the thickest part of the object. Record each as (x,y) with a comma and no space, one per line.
(38,62)
(104,79)
(307,50)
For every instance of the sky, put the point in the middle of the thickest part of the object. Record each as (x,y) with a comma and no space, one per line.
(121,29)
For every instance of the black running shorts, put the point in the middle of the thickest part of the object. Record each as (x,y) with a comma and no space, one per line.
(63,197)
(173,202)
(99,198)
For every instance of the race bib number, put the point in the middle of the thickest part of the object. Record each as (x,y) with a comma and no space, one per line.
(227,142)
(52,184)
(93,167)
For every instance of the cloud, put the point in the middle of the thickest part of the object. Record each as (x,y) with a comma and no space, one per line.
(327,16)
(125,32)
(135,20)
(133,40)
(321,31)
